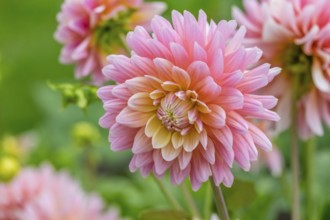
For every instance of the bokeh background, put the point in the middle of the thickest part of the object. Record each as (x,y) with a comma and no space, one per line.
(33,120)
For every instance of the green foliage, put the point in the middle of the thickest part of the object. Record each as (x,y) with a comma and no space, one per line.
(163,215)
(241,194)
(76,94)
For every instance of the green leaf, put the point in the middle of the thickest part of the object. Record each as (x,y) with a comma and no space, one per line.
(240,194)
(80,95)
(163,215)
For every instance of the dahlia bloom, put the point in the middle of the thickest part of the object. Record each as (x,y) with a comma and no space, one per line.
(294,34)
(91,29)
(42,194)
(182,99)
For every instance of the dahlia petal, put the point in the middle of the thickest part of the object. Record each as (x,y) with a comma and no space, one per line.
(231,79)
(198,125)
(230,99)
(199,53)
(208,89)
(202,107)
(141,102)
(133,118)
(121,92)
(170,86)
(143,159)
(255,79)
(107,120)
(142,143)
(81,52)
(190,141)
(181,77)
(252,56)
(118,141)
(141,84)
(169,153)
(319,79)
(177,140)
(180,55)
(158,50)
(164,68)
(234,61)
(242,19)
(200,169)
(157,94)
(236,121)
(177,20)
(268,102)
(192,116)
(114,105)
(224,136)
(145,65)
(178,174)
(184,159)
(273,32)
(147,11)
(160,165)
(215,119)
(161,137)
(217,65)
(312,114)
(241,153)
(221,173)
(204,139)
(236,42)
(198,70)
(209,152)
(260,139)
(105,92)
(153,124)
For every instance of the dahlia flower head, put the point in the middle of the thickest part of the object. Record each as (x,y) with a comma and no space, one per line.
(295,35)
(91,29)
(43,194)
(183,97)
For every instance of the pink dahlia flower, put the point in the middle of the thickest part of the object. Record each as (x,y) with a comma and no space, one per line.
(294,34)
(42,194)
(91,29)
(183,99)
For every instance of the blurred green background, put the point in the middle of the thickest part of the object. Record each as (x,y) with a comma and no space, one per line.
(29,59)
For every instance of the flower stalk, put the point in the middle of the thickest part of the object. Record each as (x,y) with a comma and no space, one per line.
(310,194)
(295,209)
(190,202)
(219,201)
(168,196)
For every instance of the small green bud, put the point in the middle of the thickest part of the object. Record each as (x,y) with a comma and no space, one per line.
(85,134)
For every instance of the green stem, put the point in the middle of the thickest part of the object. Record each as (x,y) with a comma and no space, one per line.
(219,201)
(295,212)
(190,201)
(310,194)
(208,202)
(169,197)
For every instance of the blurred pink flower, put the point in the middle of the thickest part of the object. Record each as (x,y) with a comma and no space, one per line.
(273,160)
(91,29)
(42,194)
(295,35)
(183,97)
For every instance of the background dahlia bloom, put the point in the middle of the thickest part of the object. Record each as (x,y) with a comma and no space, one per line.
(294,34)
(91,29)
(42,194)
(183,99)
